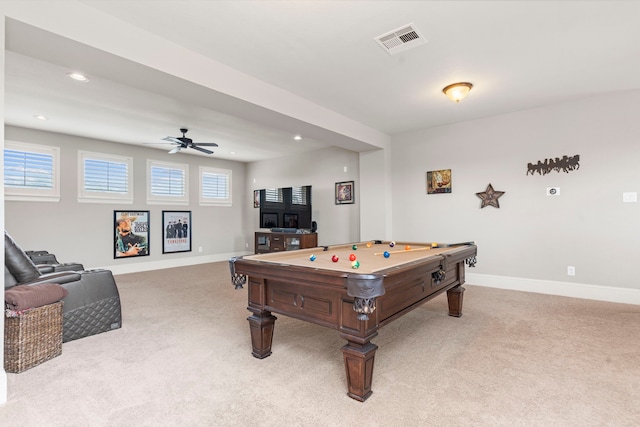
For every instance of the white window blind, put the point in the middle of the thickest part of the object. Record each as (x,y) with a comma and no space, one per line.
(215,187)
(28,170)
(104,178)
(110,177)
(31,172)
(168,183)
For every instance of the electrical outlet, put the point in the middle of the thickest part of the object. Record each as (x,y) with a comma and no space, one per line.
(571,270)
(199,248)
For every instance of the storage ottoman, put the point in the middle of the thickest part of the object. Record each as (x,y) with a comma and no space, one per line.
(32,336)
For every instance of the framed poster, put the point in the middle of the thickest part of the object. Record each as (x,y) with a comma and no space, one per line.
(176,231)
(439,181)
(131,233)
(256,198)
(344,192)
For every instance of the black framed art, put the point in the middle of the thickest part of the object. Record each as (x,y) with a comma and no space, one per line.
(344,192)
(176,231)
(131,233)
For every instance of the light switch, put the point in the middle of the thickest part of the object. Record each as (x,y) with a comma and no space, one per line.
(630,197)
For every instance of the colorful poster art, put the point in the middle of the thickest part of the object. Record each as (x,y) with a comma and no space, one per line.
(176,231)
(131,233)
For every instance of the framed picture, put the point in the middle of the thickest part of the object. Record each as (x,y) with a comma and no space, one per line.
(176,231)
(269,220)
(439,181)
(131,233)
(344,193)
(256,198)
(290,220)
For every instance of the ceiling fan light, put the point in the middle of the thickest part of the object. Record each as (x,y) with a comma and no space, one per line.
(457,91)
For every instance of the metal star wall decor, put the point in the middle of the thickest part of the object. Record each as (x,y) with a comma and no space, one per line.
(490,197)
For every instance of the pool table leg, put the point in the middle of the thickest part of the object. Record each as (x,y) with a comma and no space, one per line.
(261,324)
(358,362)
(454,296)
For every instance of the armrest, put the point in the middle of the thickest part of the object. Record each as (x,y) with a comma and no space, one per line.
(59,278)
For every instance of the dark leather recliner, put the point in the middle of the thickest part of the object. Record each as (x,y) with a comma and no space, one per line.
(92,305)
(48,263)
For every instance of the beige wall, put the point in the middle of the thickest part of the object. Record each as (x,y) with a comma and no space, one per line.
(83,232)
(321,169)
(533,237)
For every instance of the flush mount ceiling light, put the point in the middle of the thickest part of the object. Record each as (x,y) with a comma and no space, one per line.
(78,76)
(297,137)
(457,91)
(41,117)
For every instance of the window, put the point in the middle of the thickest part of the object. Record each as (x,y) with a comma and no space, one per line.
(215,187)
(104,178)
(273,195)
(168,183)
(31,172)
(299,196)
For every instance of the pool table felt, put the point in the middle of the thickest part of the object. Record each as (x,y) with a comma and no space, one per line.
(369,262)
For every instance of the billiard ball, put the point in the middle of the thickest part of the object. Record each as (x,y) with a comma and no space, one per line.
(407,248)
(434,245)
(352,257)
(334,258)
(392,244)
(386,254)
(354,247)
(368,244)
(312,257)
(355,264)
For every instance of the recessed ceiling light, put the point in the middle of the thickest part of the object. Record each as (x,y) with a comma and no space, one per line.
(297,137)
(41,117)
(232,152)
(78,76)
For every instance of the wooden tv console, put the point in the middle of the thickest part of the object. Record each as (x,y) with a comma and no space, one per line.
(268,241)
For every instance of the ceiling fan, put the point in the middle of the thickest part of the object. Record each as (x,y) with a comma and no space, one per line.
(184,142)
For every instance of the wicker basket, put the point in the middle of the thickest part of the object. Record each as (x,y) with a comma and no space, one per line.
(32,337)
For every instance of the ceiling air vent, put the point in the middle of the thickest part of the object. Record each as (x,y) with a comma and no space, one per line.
(401,39)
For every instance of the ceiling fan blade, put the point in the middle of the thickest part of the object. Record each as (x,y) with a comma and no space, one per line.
(175,150)
(172,139)
(207,144)
(195,147)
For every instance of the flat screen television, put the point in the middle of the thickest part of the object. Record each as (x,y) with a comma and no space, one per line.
(286,207)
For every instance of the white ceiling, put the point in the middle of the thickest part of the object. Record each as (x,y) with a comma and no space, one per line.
(518,54)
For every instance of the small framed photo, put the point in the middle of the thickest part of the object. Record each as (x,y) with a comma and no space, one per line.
(344,193)
(176,231)
(256,198)
(131,234)
(439,181)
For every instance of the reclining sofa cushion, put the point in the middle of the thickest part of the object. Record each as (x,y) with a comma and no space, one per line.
(18,263)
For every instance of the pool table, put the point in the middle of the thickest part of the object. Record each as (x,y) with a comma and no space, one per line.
(307,284)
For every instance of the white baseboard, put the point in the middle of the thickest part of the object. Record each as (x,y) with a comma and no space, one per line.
(125,267)
(566,289)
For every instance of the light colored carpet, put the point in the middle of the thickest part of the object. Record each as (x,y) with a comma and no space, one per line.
(183,358)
